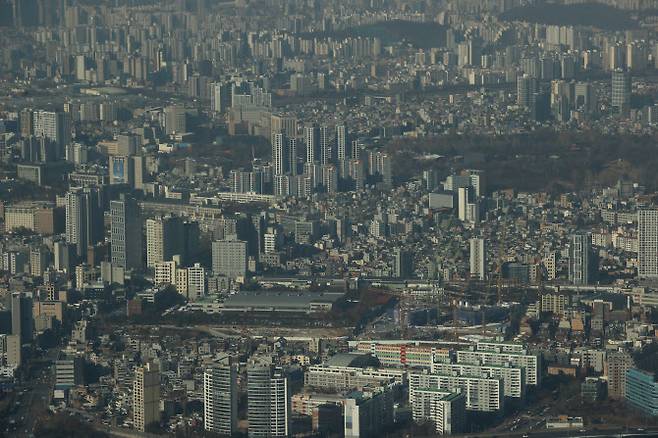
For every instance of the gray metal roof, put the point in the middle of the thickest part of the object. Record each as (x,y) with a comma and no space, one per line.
(275,299)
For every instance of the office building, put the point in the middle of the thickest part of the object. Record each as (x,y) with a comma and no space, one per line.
(403,267)
(478,259)
(84,219)
(229,258)
(268,400)
(122,170)
(594,389)
(22,322)
(146,397)
(220,397)
(642,391)
(585,98)
(621,91)
(447,410)
(127,145)
(126,234)
(69,372)
(175,120)
(647,236)
(526,91)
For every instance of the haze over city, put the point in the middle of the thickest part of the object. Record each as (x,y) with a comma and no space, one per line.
(328,218)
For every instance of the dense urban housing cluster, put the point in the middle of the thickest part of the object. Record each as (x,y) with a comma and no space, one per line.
(349,218)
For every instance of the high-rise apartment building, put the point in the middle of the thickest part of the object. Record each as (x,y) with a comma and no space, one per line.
(55,126)
(368,413)
(146,397)
(165,238)
(196,282)
(268,400)
(447,410)
(513,377)
(617,365)
(647,235)
(220,397)
(463,200)
(477,181)
(220,97)
(478,259)
(342,143)
(229,258)
(283,124)
(11,348)
(312,140)
(326,146)
(531,364)
(280,154)
(580,259)
(484,394)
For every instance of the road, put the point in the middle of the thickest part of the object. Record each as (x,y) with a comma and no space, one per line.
(33,396)
(620,433)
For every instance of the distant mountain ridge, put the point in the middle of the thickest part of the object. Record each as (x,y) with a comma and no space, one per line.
(587,14)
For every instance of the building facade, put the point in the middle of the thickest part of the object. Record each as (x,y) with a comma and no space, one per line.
(220,397)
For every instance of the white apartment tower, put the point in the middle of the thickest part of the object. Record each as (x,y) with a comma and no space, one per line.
(647,225)
(478,259)
(220,397)
(268,400)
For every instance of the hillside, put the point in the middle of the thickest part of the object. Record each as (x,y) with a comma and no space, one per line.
(588,14)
